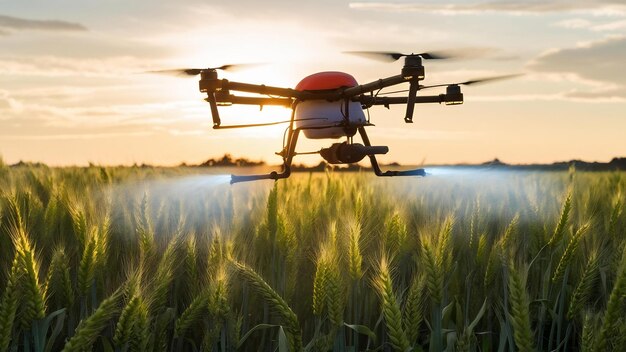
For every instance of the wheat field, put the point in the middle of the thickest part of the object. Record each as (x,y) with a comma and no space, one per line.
(175,259)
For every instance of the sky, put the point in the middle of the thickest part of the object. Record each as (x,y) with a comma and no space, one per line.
(73,91)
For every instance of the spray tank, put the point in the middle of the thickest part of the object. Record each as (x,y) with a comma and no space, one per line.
(319,113)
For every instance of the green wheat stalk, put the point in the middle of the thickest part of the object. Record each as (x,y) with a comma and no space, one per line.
(91,327)
(32,299)
(518,298)
(568,255)
(585,287)
(278,304)
(192,313)
(614,311)
(58,281)
(413,308)
(124,326)
(355,257)
(87,266)
(563,219)
(9,304)
(433,271)
(390,307)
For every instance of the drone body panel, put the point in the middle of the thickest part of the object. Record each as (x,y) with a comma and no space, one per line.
(318,114)
(326,80)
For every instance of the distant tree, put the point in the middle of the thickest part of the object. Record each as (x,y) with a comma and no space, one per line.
(228,160)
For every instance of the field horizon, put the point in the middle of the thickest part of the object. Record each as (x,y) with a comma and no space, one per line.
(227,160)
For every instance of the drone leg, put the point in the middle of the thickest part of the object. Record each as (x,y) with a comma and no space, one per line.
(291,148)
(214,112)
(372,157)
(291,151)
(376,167)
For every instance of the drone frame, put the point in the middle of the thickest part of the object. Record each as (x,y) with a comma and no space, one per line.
(219,94)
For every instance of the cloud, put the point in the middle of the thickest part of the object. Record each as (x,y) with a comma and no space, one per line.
(51,123)
(7,102)
(599,7)
(10,24)
(601,61)
(611,26)
(599,64)
(574,23)
(21,115)
(81,135)
(603,95)
(598,26)
(55,66)
(596,97)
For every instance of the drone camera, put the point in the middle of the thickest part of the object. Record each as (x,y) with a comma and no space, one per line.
(344,153)
(454,95)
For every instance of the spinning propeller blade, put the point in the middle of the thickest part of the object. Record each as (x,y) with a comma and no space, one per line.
(431,55)
(475,81)
(392,56)
(197,71)
(178,71)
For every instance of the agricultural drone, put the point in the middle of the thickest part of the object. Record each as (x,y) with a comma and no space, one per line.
(330,105)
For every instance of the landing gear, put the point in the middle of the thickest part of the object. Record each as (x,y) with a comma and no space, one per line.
(339,153)
(377,171)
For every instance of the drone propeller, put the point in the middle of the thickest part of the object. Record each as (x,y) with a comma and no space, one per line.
(469,52)
(393,56)
(466,83)
(197,71)
(475,81)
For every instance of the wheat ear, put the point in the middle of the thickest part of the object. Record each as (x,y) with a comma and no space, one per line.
(8,305)
(390,307)
(90,328)
(560,226)
(276,301)
(518,299)
(568,255)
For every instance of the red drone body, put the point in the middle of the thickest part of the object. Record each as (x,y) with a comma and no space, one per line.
(322,113)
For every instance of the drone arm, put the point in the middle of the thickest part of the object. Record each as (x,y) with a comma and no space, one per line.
(262,89)
(289,93)
(333,95)
(227,85)
(228,99)
(385,101)
(372,86)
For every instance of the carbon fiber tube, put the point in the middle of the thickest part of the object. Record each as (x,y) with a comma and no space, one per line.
(271,176)
(375,150)
(416,172)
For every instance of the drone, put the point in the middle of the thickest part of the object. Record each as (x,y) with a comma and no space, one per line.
(330,105)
